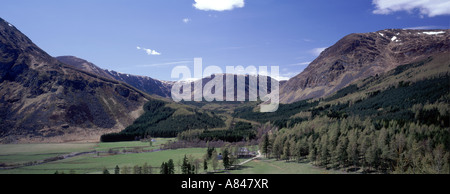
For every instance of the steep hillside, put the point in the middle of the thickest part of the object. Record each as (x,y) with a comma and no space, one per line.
(358,56)
(143,83)
(395,122)
(250,86)
(166,119)
(44,100)
(403,94)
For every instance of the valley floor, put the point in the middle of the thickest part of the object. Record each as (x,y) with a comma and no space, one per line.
(93,158)
(272,166)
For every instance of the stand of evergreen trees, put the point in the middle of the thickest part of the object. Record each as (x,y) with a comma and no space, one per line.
(238,132)
(357,144)
(167,167)
(393,103)
(404,128)
(159,120)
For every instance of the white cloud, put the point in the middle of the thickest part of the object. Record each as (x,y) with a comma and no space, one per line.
(281,78)
(164,64)
(186,20)
(430,8)
(218,5)
(317,51)
(422,28)
(301,63)
(149,51)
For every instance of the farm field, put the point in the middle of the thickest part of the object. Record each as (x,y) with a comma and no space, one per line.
(92,164)
(272,166)
(95,157)
(22,153)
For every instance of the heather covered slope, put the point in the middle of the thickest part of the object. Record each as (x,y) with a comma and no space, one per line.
(143,83)
(45,100)
(399,94)
(358,56)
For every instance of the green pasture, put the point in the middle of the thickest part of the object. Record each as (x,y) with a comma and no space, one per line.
(104,157)
(272,166)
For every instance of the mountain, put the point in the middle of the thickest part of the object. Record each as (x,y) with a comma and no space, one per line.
(358,56)
(395,122)
(163,118)
(416,92)
(143,83)
(248,81)
(44,100)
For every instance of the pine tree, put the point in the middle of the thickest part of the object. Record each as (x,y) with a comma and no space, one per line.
(170,167)
(352,148)
(205,165)
(105,171)
(116,170)
(324,151)
(340,153)
(286,151)
(371,156)
(226,159)
(145,169)
(385,151)
(214,160)
(163,169)
(398,146)
(265,145)
(312,153)
(185,166)
(192,169)
(278,147)
(440,159)
(363,147)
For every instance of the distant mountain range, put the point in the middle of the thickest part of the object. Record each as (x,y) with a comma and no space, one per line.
(143,83)
(43,99)
(47,99)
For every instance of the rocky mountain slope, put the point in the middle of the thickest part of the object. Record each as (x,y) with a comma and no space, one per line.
(143,83)
(45,100)
(361,55)
(417,92)
(250,86)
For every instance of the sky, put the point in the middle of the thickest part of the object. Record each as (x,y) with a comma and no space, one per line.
(151,37)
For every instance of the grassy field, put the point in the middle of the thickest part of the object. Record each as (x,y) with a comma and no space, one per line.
(272,166)
(91,163)
(133,144)
(21,153)
(101,157)
(13,154)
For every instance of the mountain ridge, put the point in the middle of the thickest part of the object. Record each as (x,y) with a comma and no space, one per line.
(359,55)
(144,83)
(44,100)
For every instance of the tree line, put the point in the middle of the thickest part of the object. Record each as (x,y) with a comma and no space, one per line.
(159,120)
(356,144)
(238,132)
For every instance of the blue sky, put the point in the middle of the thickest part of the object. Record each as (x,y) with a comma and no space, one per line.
(151,37)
